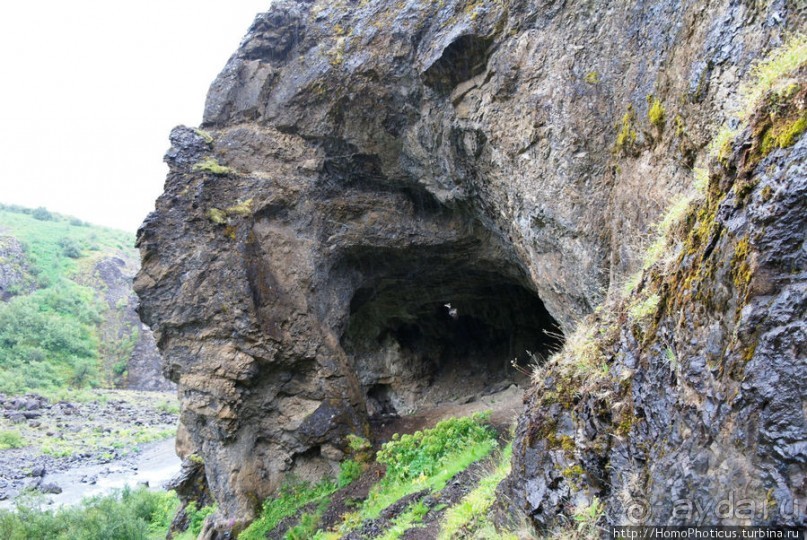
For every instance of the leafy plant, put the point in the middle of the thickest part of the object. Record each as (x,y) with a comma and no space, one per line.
(424,452)
(290,498)
(11,439)
(127,514)
(428,459)
(645,308)
(587,518)
(196,517)
(349,470)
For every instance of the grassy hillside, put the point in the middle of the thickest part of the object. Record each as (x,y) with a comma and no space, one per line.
(53,302)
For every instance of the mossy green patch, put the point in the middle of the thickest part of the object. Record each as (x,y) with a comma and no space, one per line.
(205,135)
(211,165)
(219,217)
(241,209)
(655,113)
(626,136)
(679,125)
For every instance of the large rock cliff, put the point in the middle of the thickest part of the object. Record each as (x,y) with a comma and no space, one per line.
(388,197)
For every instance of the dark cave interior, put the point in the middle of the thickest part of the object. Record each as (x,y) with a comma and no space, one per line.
(437,328)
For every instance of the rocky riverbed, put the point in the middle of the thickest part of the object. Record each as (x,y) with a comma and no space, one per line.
(53,445)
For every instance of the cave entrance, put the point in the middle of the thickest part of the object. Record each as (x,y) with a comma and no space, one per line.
(436,329)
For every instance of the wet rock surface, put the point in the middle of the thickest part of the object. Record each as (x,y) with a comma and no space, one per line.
(392,201)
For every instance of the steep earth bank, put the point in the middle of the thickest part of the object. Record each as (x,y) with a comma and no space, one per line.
(392,202)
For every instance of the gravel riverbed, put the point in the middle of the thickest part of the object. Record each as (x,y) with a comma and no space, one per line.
(85,444)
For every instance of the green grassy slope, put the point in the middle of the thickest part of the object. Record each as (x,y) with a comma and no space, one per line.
(49,323)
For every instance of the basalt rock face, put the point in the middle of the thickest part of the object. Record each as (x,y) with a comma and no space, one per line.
(391,197)
(699,416)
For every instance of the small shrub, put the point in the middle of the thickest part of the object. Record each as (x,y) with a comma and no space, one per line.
(360,448)
(592,77)
(669,356)
(11,439)
(349,470)
(42,214)
(196,517)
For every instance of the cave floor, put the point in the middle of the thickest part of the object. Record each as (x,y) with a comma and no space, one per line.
(504,407)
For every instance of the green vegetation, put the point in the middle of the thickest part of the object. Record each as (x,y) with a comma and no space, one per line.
(425,452)
(428,459)
(11,439)
(196,520)
(349,470)
(626,133)
(783,134)
(644,309)
(129,514)
(205,135)
(425,460)
(680,125)
(592,77)
(588,517)
(771,72)
(292,496)
(469,518)
(720,147)
(360,448)
(209,164)
(413,515)
(655,113)
(94,438)
(49,331)
(219,217)
(309,523)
